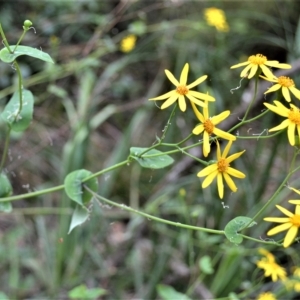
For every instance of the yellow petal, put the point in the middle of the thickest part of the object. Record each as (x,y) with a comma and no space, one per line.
(197,82)
(218,151)
(230,182)
(277,220)
(198,129)
(172,78)
(291,133)
(184,74)
(286,94)
(169,102)
(182,103)
(208,170)
(279,228)
(282,125)
(197,113)
(220,117)
(273,79)
(295,92)
(272,63)
(273,88)
(295,190)
(279,109)
(285,211)
(196,101)
(297,202)
(201,96)
(290,236)
(165,96)
(234,156)
(220,185)
(266,71)
(253,70)
(223,134)
(235,173)
(283,66)
(206,144)
(240,65)
(209,179)
(245,71)
(226,150)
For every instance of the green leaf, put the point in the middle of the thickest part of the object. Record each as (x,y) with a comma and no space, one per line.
(5,186)
(205,265)
(156,162)
(19,122)
(80,215)
(7,57)
(234,226)
(82,292)
(74,186)
(5,191)
(166,292)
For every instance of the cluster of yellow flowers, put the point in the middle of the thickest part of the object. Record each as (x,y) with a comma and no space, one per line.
(220,168)
(276,272)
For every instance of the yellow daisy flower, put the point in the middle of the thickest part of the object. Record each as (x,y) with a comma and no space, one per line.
(208,126)
(271,268)
(128,43)
(221,169)
(216,17)
(266,296)
(292,224)
(286,84)
(261,61)
(292,122)
(183,90)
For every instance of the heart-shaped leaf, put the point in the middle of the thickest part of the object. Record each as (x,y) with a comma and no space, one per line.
(159,161)
(74,186)
(19,120)
(234,226)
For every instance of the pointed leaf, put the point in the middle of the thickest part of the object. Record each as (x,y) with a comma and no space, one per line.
(7,57)
(167,292)
(74,186)
(234,226)
(80,215)
(19,121)
(155,162)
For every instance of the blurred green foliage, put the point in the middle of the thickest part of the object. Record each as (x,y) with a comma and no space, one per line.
(91,107)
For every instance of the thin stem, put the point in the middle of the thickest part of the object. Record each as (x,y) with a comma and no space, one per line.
(278,189)
(20,87)
(253,98)
(4,39)
(20,39)
(5,151)
(176,224)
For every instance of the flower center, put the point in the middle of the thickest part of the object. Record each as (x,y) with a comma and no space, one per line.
(209,126)
(182,90)
(294,116)
(222,165)
(257,59)
(285,81)
(295,220)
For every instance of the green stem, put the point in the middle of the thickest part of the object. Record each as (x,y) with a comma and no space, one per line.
(278,189)
(20,39)
(177,224)
(253,98)
(5,151)
(4,39)
(20,87)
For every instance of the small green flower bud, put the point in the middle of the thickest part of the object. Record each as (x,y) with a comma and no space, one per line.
(27,24)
